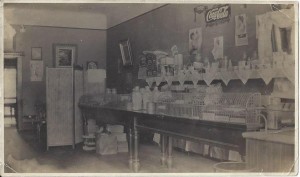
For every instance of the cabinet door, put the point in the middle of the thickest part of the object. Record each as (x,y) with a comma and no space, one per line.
(59,106)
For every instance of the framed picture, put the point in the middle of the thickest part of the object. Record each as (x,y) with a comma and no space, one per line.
(65,55)
(125,52)
(36,53)
(91,65)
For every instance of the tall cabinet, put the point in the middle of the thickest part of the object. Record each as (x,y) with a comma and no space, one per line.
(64,86)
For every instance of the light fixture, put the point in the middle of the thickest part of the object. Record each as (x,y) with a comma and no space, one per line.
(22,29)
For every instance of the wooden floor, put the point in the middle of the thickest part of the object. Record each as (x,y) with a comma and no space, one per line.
(24,156)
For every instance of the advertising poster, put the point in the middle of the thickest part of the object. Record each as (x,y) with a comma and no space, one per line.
(36,70)
(218,48)
(195,40)
(241,36)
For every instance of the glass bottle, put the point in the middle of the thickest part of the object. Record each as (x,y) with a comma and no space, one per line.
(146,97)
(156,94)
(136,99)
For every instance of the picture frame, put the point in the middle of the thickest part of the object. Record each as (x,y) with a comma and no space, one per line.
(65,55)
(125,52)
(36,53)
(91,65)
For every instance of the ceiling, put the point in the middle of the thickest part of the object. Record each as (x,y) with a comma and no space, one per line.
(102,15)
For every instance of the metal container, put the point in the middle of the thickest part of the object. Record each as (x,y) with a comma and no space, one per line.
(273,120)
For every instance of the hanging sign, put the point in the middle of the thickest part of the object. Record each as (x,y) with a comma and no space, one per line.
(217,15)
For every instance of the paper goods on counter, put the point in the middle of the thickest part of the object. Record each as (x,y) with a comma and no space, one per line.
(106,144)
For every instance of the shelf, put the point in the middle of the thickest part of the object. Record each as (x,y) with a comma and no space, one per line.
(266,74)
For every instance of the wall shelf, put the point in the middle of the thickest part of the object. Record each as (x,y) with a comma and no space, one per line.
(267,74)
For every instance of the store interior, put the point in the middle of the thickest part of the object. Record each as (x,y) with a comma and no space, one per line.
(150,88)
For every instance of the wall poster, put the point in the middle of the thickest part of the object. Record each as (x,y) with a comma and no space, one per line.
(36,70)
(241,35)
(217,15)
(218,48)
(195,40)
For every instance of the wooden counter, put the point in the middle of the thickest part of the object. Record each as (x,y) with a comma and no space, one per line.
(271,151)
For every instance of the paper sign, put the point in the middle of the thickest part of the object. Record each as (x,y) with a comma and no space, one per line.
(36,70)
(241,36)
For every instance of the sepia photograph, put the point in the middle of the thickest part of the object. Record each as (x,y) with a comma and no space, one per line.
(115,88)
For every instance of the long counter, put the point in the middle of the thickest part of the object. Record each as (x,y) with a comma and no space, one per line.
(222,134)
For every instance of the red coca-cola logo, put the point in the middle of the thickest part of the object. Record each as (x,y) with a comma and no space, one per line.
(218,13)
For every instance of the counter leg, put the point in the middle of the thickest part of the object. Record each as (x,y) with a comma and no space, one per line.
(163,149)
(130,147)
(136,161)
(170,149)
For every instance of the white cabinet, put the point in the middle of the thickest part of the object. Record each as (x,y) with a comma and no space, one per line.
(64,86)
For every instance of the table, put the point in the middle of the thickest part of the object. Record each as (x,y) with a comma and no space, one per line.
(221,134)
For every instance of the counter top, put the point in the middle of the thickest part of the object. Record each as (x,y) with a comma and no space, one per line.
(285,136)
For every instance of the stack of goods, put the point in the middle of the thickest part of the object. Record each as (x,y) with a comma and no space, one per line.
(89,135)
(151,65)
(118,131)
(89,142)
(106,143)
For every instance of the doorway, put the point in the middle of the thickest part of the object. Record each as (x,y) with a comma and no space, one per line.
(13,90)
(10,92)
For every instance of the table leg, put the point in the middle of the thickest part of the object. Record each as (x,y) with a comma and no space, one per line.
(136,161)
(169,155)
(163,149)
(130,147)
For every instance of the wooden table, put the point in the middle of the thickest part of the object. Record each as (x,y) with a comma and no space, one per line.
(221,134)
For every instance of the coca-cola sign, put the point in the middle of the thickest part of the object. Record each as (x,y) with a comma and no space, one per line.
(217,15)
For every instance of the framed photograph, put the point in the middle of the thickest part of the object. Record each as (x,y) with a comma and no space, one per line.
(65,55)
(36,53)
(91,65)
(125,52)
